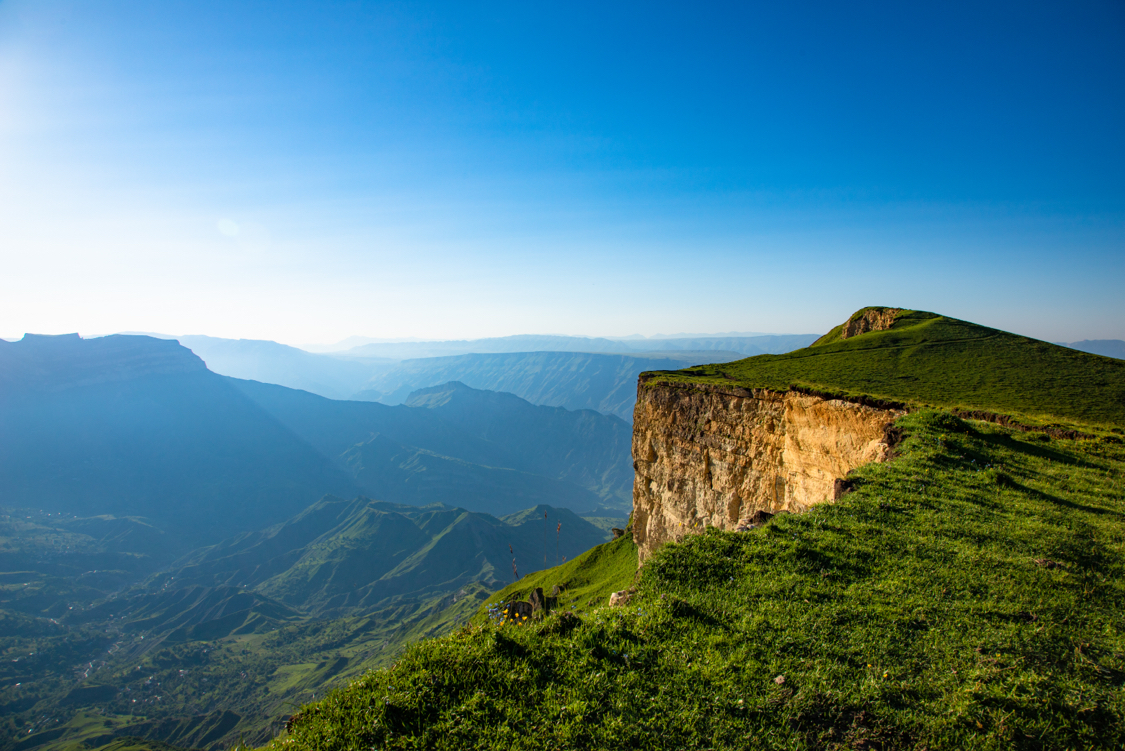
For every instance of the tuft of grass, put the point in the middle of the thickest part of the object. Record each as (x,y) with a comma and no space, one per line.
(968,594)
(930,360)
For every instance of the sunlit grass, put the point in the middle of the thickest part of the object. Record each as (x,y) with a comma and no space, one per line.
(967,595)
(925,359)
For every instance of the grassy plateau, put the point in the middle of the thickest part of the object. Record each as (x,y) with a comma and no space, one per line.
(969,593)
(930,360)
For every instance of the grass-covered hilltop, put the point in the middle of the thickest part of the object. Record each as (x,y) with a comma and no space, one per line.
(969,593)
(924,359)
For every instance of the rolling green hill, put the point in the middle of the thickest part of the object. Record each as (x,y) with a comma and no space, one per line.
(352,556)
(928,359)
(966,594)
(586,581)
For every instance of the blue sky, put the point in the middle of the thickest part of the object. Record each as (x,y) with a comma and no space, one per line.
(308,171)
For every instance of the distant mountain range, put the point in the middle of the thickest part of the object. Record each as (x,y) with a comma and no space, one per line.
(136,426)
(187,556)
(557,371)
(1104,347)
(575,380)
(270,362)
(744,345)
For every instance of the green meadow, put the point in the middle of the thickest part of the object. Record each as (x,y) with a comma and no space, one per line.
(968,594)
(929,360)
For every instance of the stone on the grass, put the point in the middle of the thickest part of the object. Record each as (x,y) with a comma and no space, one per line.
(620,598)
(518,611)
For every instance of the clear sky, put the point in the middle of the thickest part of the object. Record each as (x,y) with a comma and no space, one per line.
(308,171)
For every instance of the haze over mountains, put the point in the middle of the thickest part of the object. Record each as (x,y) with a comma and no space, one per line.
(1105,347)
(557,371)
(216,646)
(136,426)
(243,543)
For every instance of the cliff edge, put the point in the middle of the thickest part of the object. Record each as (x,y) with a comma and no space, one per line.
(709,456)
(714,444)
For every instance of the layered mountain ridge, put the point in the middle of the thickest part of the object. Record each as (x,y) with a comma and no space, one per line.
(137,426)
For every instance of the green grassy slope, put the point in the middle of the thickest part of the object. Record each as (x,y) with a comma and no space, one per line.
(585,582)
(927,359)
(968,594)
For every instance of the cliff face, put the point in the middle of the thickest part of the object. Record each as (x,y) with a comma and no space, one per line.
(712,456)
(872,319)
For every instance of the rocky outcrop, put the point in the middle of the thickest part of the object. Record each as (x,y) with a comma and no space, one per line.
(870,319)
(708,455)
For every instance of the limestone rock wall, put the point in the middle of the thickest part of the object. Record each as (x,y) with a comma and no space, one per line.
(712,456)
(872,319)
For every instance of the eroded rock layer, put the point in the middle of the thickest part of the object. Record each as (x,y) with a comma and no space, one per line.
(872,319)
(711,456)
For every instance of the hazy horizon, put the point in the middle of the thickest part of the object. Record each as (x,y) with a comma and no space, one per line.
(303,173)
(360,340)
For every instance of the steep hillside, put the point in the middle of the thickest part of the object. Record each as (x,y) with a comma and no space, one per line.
(967,594)
(583,447)
(342,556)
(456,439)
(136,426)
(585,582)
(133,426)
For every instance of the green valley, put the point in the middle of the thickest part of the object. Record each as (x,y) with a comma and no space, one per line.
(226,641)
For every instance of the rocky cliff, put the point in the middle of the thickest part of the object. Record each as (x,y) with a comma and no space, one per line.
(708,455)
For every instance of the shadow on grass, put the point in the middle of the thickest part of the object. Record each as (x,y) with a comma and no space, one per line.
(824,724)
(1055,500)
(1038,450)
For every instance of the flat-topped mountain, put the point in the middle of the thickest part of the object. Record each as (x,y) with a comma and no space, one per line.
(39,363)
(137,426)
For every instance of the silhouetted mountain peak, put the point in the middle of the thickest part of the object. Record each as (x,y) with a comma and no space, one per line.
(53,363)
